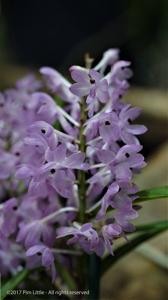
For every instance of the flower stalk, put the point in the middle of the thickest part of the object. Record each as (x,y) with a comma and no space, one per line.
(81,173)
(82,147)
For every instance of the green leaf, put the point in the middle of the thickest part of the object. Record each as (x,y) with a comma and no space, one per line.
(154,193)
(155,225)
(13,283)
(130,245)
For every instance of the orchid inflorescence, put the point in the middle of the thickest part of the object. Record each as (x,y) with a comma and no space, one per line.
(68,155)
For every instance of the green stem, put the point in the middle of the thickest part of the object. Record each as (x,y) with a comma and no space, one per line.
(82,264)
(66,276)
(94,276)
(81,173)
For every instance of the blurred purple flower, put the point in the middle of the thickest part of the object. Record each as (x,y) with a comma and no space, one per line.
(86,236)
(47,258)
(29,83)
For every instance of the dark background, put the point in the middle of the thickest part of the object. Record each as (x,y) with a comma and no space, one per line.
(58,33)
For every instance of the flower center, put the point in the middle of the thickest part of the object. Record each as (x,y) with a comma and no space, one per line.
(15,208)
(52,171)
(17,153)
(43,130)
(92,81)
(107,123)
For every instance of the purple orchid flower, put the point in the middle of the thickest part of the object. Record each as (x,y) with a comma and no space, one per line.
(111,232)
(33,232)
(56,172)
(46,256)
(9,217)
(122,163)
(109,58)
(90,84)
(29,83)
(58,84)
(11,256)
(86,236)
(45,151)
(113,127)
